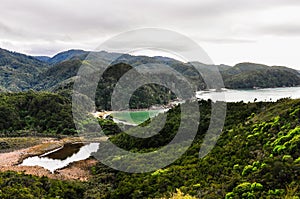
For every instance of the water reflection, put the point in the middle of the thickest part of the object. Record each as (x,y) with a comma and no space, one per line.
(63,153)
(62,157)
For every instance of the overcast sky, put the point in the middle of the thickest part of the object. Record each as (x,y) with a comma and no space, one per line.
(230,31)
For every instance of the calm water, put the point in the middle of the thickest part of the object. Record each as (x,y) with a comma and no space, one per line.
(268,94)
(63,153)
(228,95)
(134,118)
(62,157)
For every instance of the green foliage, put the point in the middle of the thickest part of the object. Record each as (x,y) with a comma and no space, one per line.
(180,195)
(143,97)
(278,149)
(249,75)
(35,112)
(287,143)
(247,169)
(57,74)
(109,127)
(239,166)
(245,190)
(297,160)
(18,72)
(287,158)
(21,72)
(21,186)
(253,158)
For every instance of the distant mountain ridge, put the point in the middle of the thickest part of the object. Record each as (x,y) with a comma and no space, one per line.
(21,72)
(64,56)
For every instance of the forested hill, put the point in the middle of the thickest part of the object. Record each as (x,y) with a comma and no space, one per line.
(249,75)
(64,56)
(20,72)
(256,156)
(57,74)
(35,113)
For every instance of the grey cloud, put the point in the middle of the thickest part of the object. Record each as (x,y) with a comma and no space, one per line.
(77,19)
(280,30)
(46,27)
(226,40)
(4,28)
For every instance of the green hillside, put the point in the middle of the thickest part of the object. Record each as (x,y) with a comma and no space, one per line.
(249,75)
(18,71)
(20,186)
(21,72)
(256,156)
(35,112)
(56,74)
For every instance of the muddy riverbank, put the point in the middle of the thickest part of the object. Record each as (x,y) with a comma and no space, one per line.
(79,170)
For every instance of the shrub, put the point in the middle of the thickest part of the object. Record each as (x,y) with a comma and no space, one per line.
(247,169)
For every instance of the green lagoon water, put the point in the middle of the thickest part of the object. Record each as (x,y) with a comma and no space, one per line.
(135,117)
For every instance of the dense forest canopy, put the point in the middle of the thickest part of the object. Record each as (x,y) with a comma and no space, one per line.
(38,112)
(257,154)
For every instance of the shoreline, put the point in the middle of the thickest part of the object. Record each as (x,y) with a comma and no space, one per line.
(78,170)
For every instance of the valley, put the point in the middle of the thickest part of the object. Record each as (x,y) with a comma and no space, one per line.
(44,155)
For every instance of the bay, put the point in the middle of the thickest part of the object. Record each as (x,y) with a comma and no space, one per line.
(250,95)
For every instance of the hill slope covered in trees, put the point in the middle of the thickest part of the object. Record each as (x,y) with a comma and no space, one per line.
(21,72)
(35,112)
(256,156)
